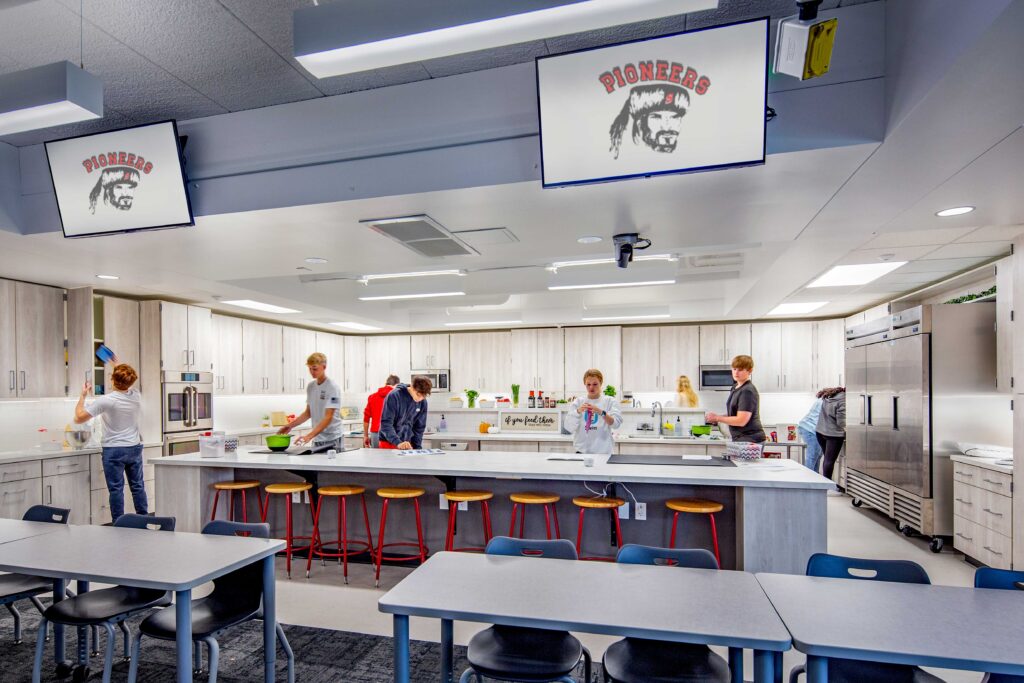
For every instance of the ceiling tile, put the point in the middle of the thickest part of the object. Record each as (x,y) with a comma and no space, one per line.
(970,249)
(994,233)
(485,59)
(944,266)
(912,238)
(888,254)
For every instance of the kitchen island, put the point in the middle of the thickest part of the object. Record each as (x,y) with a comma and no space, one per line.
(774,514)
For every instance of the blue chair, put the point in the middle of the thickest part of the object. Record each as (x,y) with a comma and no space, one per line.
(1001,579)
(237,597)
(107,606)
(15,587)
(527,655)
(638,660)
(853,670)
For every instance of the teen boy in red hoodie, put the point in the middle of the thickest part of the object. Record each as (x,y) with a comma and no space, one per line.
(373,410)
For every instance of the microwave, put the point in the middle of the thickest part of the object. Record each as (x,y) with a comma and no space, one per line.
(438,379)
(716,377)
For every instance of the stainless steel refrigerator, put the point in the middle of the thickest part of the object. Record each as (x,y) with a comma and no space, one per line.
(918,383)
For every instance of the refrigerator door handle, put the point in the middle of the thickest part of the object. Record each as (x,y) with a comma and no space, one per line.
(895,413)
(869,397)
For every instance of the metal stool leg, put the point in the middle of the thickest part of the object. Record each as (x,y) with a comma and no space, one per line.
(419,531)
(380,543)
(17,622)
(449,539)
(547,521)
(618,527)
(579,531)
(216,497)
(487,521)
(245,509)
(554,513)
(366,518)
(126,634)
(344,536)
(231,506)
(675,525)
(522,521)
(714,539)
(312,541)
(512,526)
(288,533)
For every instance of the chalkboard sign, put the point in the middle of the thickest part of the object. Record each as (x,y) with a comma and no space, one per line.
(530,422)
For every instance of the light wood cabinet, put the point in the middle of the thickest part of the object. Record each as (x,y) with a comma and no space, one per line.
(983,514)
(227,355)
(296,345)
(537,360)
(8,342)
(429,352)
(829,354)
(387,356)
(355,364)
(121,334)
(592,347)
(679,354)
(1004,325)
(200,338)
(261,358)
(32,343)
(97,319)
(518,446)
(70,491)
(654,357)
(18,496)
(719,344)
(332,346)
(782,356)
(186,338)
(481,361)
(766,349)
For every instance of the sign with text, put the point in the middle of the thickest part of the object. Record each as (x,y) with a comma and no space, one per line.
(686,102)
(531,422)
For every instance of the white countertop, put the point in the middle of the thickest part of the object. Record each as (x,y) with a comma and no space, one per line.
(27,454)
(565,438)
(517,465)
(986,463)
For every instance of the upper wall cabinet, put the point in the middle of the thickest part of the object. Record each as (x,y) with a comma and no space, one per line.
(481,361)
(261,358)
(1004,325)
(388,355)
(537,360)
(829,354)
(355,364)
(592,347)
(719,344)
(429,352)
(186,338)
(227,355)
(94,320)
(782,356)
(332,346)
(653,358)
(32,341)
(296,346)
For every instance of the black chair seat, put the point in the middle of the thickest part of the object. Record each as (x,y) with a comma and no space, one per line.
(23,584)
(1002,678)
(523,654)
(208,617)
(105,604)
(636,660)
(856,671)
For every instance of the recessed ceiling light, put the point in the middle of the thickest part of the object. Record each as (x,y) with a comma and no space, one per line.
(955,211)
(589,239)
(613,284)
(485,322)
(260,306)
(420,273)
(316,260)
(108,277)
(658,316)
(356,326)
(600,261)
(797,308)
(410,296)
(858,274)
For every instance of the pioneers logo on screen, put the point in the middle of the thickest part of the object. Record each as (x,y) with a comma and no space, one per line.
(656,106)
(119,175)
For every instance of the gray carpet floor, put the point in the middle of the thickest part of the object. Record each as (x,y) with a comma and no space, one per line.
(321,656)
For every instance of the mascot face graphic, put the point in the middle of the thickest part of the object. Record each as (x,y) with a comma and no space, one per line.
(116,187)
(656,112)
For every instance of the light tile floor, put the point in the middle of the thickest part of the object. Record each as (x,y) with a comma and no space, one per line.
(325,601)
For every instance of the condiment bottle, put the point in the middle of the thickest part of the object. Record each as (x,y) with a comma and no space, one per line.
(532,401)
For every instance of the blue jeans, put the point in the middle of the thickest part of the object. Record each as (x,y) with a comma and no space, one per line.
(812,455)
(119,461)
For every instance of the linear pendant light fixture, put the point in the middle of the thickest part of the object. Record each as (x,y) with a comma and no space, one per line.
(358,35)
(49,95)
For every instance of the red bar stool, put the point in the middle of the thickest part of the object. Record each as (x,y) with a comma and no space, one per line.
(341,492)
(528,498)
(697,506)
(390,493)
(608,503)
(456,497)
(231,487)
(285,490)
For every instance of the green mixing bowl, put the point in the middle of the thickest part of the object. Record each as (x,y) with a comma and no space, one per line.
(700,430)
(279,442)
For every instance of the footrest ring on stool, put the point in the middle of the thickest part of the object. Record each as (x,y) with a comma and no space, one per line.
(402,558)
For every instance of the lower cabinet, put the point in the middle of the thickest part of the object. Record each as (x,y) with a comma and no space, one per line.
(525,446)
(69,491)
(983,514)
(18,496)
(100,497)
(662,449)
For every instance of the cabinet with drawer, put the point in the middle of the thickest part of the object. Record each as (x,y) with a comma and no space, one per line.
(19,471)
(18,496)
(983,514)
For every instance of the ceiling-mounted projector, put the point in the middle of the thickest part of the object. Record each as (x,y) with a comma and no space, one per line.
(803,48)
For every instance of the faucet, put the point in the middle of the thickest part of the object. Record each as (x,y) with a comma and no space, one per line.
(656,406)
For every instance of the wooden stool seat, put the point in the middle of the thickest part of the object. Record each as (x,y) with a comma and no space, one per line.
(288,487)
(341,490)
(531,498)
(235,485)
(695,505)
(468,496)
(596,502)
(400,492)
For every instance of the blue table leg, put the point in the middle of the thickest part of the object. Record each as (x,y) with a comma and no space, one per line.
(447,652)
(183,633)
(817,669)
(59,586)
(736,664)
(83,632)
(778,667)
(401,648)
(269,620)
(764,666)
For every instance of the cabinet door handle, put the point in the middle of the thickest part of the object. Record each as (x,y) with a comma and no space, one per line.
(14,381)
(783,381)
(996,514)
(192,357)
(965,502)
(23,380)
(994,552)
(19,473)
(49,494)
(994,483)
(966,538)
(185,353)
(778,380)
(966,474)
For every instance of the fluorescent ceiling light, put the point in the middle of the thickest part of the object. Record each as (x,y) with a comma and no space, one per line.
(393,297)
(600,261)
(614,284)
(955,211)
(657,316)
(260,306)
(859,274)
(50,95)
(356,326)
(359,35)
(588,239)
(423,273)
(797,308)
(485,322)
(316,260)
(108,277)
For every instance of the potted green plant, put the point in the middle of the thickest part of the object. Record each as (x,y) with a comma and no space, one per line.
(609,391)
(471,395)
(515,395)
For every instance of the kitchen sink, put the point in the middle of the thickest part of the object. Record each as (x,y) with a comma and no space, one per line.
(656,436)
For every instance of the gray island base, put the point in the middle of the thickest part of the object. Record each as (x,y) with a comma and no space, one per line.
(774,514)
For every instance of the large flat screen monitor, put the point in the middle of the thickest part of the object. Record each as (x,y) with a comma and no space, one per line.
(692,101)
(120,181)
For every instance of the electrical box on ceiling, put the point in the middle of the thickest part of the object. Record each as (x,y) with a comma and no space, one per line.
(803,47)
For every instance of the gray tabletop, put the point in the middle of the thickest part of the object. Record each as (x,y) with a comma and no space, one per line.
(16,529)
(941,626)
(664,603)
(147,559)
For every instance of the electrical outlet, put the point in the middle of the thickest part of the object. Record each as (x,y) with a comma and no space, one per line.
(624,511)
(463,506)
(641,511)
(297,496)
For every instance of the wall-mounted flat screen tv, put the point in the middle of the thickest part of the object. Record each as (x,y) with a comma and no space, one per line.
(120,181)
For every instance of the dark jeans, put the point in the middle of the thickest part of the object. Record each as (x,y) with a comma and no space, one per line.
(119,461)
(830,445)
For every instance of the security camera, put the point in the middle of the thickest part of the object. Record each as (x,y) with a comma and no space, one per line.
(625,243)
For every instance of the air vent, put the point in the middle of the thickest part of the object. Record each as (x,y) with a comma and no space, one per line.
(487,236)
(422,234)
(714,260)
